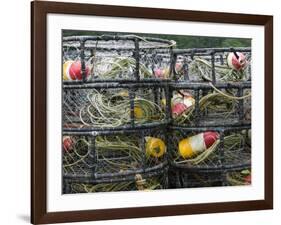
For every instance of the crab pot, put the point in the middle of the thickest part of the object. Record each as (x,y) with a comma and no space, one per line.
(114,106)
(212,64)
(115,90)
(119,58)
(197,161)
(139,182)
(204,104)
(93,157)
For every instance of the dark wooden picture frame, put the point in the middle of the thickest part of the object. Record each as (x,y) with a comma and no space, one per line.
(39,11)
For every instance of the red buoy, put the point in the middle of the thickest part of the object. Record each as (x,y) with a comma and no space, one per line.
(235,62)
(67,143)
(75,71)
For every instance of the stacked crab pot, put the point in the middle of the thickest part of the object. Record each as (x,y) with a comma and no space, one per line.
(141,115)
(210,140)
(114,113)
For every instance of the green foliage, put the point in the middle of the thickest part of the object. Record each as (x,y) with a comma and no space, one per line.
(182,40)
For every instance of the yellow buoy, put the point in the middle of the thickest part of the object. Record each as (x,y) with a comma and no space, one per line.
(185,148)
(155,147)
(66,66)
(139,113)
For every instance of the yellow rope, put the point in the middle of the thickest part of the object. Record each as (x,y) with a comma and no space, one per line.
(229,96)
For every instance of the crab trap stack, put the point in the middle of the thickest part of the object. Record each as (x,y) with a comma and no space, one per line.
(114,113)
(141,115)
(210,141)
